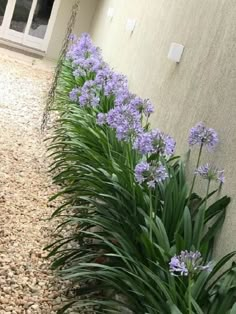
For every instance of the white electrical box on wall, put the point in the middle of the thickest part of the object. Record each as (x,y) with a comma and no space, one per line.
(110,13)
(130,25)
(175,52)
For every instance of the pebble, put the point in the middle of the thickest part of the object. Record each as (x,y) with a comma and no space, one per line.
(35,306)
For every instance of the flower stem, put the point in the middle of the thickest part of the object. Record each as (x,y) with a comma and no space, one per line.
(189,295)
(131,168)
(150,214)
(208,189)
(195,175)
(203,213)
(108,144)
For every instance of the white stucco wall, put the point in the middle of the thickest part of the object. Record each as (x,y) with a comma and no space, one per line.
(59,29)
(201,87)
(85,14)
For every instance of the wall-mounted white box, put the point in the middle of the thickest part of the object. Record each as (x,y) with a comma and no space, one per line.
(110,13)
(175,52)
(130,25)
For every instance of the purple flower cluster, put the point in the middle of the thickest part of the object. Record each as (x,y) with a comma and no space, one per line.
(123,97)
(202,135)
(85,57)
(101,118)
(155,142)
(142,171)
(74,94)
(126,120)
(87,95)
(126,116)
(211,173)
(187,264)
(151,174)
(112,83)
(143,106)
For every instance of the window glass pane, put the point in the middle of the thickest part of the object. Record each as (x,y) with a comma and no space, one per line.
(3,4)
(41,17)
(20,15)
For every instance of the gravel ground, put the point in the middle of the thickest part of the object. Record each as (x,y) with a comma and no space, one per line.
(26,284)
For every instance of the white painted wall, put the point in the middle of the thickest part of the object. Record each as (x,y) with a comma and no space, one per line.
(85,15)
(59,29)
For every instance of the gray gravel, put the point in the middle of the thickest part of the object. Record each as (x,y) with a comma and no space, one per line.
(26,284)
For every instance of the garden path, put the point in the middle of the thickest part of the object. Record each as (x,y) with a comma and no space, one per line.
(26,284)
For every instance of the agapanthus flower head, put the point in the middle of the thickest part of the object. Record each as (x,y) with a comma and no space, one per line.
(89,94)
(81,47)
(74,94)
(202,135)
(150,173)
(126,121)
(79,71)
(148,107)
(112,82)
(142,171)
(83,66)
(123,96)
(187,263)
(155,141)
(211,173)
(143,105)
(115,84)
(103,75)
(84,56)
(73,37)
(101,118)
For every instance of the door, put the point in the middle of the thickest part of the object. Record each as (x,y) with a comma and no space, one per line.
(29,22)
(3,6)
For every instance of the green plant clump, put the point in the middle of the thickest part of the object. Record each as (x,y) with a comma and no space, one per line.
(139,239)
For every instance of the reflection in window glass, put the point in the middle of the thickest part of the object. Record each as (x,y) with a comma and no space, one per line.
(3,4)
(21,15)
(41,17)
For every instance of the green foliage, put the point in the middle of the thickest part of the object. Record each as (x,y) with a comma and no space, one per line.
(108,252)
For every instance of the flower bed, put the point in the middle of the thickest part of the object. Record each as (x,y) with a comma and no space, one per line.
(138,230)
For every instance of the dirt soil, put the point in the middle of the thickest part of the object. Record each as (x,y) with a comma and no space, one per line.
(26,284)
